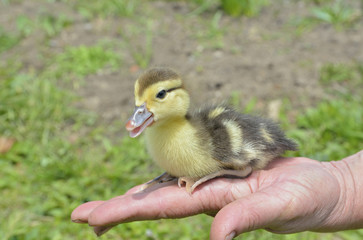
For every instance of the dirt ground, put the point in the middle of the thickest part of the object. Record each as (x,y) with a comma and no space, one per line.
(261,57)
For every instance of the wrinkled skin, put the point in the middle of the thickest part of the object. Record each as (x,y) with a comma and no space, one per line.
(291,195)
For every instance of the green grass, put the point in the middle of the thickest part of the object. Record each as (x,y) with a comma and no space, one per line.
(139,40)
(10,1)
(143,54)
(50,25)
(212,36)
(202,6)
(330,131)
(7,40)
(249,8)
(85,60)
(104,9)
(335,13)
(319,2)
(235,8)
(47,23)
(25,25)
(341,73)
(53,25)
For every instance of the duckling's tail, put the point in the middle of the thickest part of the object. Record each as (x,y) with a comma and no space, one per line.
(289,145)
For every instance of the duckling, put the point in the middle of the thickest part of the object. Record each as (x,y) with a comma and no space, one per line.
(195,146)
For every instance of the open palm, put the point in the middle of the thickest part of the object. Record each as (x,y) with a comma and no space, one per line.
(290,195)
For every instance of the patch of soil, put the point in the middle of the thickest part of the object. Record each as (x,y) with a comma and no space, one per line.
(261,57)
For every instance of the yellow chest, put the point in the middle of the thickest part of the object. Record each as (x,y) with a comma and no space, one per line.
(178,151)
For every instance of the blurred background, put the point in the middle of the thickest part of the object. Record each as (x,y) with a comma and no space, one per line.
(67,70)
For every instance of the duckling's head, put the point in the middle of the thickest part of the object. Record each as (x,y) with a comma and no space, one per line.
(160,97)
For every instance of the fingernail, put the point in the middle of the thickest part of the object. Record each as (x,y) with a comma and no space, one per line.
(230,236)
(101,230)
(78,221)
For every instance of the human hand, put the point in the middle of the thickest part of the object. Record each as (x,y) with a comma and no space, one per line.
(291,195)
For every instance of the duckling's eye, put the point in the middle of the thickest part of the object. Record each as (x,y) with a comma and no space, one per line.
(161,94)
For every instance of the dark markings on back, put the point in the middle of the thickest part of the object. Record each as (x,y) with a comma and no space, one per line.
(253,162)
(214,130)
(251,134)
(155,75)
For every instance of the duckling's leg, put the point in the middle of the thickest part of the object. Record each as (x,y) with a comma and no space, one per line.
(191,184)
(165,177)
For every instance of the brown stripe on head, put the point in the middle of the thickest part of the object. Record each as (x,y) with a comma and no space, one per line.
(155,75)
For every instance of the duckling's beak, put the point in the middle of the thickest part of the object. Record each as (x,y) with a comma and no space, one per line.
(140,119)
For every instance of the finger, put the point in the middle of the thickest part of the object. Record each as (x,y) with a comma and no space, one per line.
(160,203)
(252,212)
(134,189)
(81,213)
(148,188)
(169,201)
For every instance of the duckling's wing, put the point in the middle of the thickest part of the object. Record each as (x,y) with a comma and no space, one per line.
(238,140)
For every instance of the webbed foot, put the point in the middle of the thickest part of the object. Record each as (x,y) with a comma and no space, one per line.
(165,177)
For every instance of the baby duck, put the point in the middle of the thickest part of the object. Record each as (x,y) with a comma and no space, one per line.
(197,146)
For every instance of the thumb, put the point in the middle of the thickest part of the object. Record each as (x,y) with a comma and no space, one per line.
(255,211)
